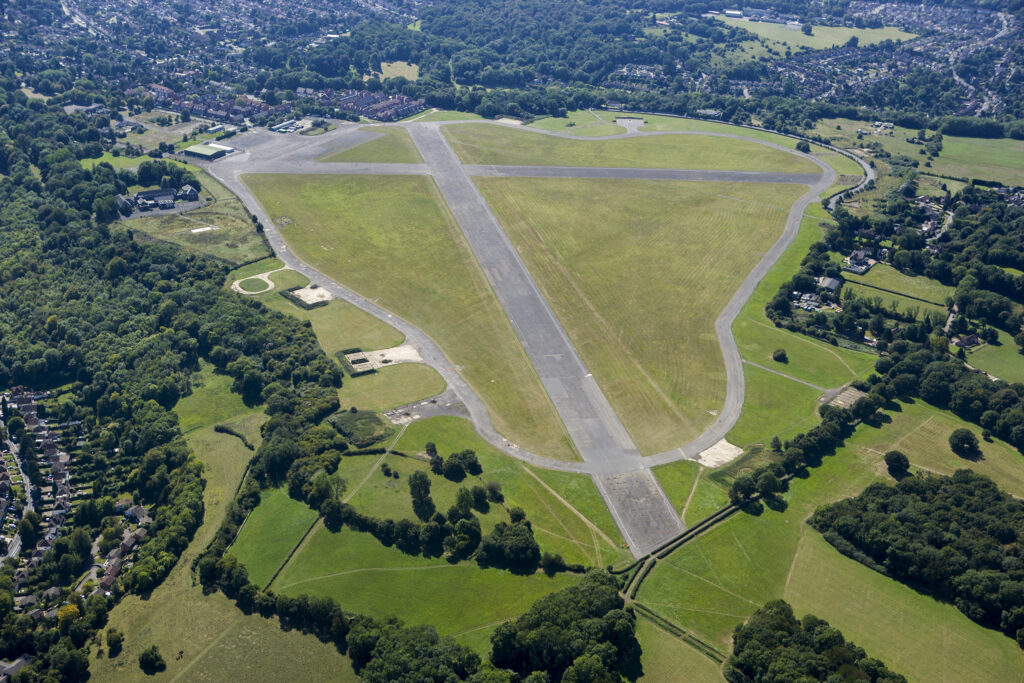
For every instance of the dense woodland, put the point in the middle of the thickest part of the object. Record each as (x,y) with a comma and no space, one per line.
(773,645)
(956,537)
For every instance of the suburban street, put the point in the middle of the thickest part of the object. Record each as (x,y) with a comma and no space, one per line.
(638,504)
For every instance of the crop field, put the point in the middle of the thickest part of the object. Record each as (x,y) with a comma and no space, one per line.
(822,37)
(887,277)
(1002,360)
(218,641)
(999,160)
(638,279)
(391,241)
(232,237)
(483,144)
(715,582)
(394,146)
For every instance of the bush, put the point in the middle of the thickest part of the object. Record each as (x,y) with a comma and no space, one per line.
(803,146)
(151,661)
(115,641)
(779,356)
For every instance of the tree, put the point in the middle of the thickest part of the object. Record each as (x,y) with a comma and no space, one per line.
(151,661)
(115,641)
(743,487)
(779,356)
(897,464)
(963,442)
(419,489)
(768,484)
(807,29)
(803,146)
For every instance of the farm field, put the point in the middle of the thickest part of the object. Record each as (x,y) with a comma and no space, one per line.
(270,533)
(218,641)
(822,37)
(233,239)
(393,146)
(484,144)
(1002,360)
(999,160)
(887,277)
(638,290)
(713,583)
(405,251)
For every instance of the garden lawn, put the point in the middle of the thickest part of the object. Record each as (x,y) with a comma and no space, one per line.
(718,580)
(392,240)
(393,145)
(1002,360)
(637,272)
(822,37)
(368,578)
(566,511)
(488,144)
(270,533)
(217,640)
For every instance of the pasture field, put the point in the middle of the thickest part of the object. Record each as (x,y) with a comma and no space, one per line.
(716,581)
(822,37)
(566,511)
(393,146)
(394,242)
(369,578)
(1002,360)
(270,533)
(218,641)
(638,279)
(583,123)
(887,277)
(666,658)
(233,237)
(486,144)
(400,69)
(999,160)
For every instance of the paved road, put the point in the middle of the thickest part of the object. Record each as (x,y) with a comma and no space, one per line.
(641,508)
(623,477)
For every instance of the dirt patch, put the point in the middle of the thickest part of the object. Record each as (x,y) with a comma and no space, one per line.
(719,454)
(405,353)
(312,294)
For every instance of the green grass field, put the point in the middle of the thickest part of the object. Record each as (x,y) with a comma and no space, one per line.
(391,241)
(233,238)
(822,37)
(583,123)
(485,144)
(393,146)
(400,69)
(899,303)
(887,277)
(211,401)
(118,162)
(999,160)
(639,288)
(773,406)
(391,387)
(270,533)
(218,641)
(1002,360)
(368,578)
(444,115)
(566,511)
(666,658)
(718,580)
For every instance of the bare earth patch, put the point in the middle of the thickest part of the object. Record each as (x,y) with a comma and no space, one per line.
(719,454)
(312,294)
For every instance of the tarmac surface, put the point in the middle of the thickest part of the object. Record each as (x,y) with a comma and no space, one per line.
(639,505)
